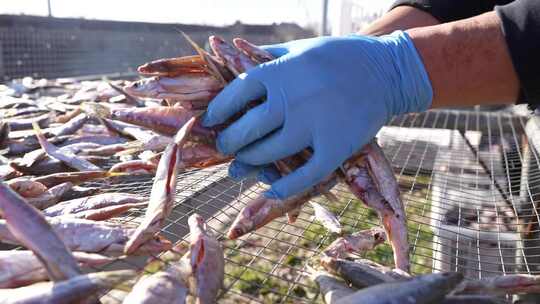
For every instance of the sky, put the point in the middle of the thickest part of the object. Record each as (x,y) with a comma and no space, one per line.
(212,12)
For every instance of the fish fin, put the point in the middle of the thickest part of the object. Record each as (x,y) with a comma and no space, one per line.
(182,134)
(129,97)
(213,70)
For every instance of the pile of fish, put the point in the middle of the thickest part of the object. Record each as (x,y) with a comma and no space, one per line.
(189,83)
(50,145)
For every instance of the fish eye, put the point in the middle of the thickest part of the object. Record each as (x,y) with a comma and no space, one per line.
(135,84)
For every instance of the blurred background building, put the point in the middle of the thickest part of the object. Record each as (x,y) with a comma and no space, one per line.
(60,38)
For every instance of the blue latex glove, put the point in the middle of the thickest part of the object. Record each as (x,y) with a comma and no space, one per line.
(332,94)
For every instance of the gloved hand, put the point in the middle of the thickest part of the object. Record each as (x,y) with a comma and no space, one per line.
(332,94)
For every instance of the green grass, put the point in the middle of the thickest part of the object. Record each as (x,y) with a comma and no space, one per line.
(359,217)
(255,281)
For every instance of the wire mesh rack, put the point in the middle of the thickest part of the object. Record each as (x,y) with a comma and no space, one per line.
(59,47)
(468,179)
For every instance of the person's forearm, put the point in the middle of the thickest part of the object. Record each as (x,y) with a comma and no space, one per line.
(467,62)
(400,18)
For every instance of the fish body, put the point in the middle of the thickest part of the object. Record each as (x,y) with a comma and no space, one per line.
(361,273)
(331,288)
(186,87)
(166,120)
(30,228)
(257,54)
(94,236)
(98,207)
(163,190)
(173,66)
(4,134)
(27,188)
(206,262)
(383,177)
(68,158)
(50,197)
(22,267)
(16,124)
(135,166)
(70,126)
(502,285)
(262,210)
(75,178)
(236,61)
(78,192)
(163,287)
(106,150)
(74,290)
(358,176)
(97,139)
(425,289)
(356,243)
(29,144)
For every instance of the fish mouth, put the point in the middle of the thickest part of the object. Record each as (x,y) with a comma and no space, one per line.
(143,68)
(379,237)
(234,233)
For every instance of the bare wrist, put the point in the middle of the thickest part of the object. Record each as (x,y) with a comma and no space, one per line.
(400,18)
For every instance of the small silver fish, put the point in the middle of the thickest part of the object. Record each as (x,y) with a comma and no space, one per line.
(361,273)
(94,236)
(52,196)
(163,190)
(67,157)
(331,288)
(97,207)
(81,287)
(30,228)
(22,267)
(425,289)
(206,261)
(368,181)
(163,287)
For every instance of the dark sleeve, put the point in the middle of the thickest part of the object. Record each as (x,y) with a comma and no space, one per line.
(451,10)
(521,29)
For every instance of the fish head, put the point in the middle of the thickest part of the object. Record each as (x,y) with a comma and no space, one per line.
(195,221)
(379,235)
(156,245)
(157,66)
(242,225)
(146,87)
(223,48)
(250,217)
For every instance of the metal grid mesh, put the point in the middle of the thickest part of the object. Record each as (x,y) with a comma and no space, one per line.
(460,174)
